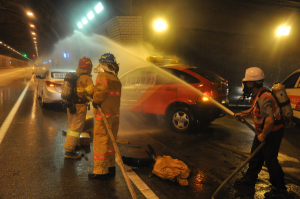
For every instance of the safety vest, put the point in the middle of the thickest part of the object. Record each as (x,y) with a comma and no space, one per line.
(258,120)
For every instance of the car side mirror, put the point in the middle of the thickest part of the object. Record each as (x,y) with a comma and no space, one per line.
(38,77)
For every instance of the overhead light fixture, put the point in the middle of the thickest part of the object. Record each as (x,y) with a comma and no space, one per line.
(90,15)
(160,25)
(34,38)
(98,8)
(31,25)
(80,25)
(84,21)
(283,31)
(34,42)
(30,13)
(33,33)
(0,42)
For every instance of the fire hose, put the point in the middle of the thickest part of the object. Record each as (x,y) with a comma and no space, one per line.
(248,159)
(119,158)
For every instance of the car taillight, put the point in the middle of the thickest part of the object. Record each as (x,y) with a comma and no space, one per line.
(51,84)
(209,93)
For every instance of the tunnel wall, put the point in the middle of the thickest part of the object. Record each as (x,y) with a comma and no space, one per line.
(9,62)
(227,36)
(126,30)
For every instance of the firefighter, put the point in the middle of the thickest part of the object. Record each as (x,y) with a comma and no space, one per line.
(107,96)
(266,115)
(77,111)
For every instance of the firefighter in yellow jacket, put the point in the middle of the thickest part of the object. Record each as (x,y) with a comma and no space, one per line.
(107,95)
(78,109)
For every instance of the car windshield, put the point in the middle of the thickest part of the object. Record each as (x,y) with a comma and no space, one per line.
(207,74)
(58,75)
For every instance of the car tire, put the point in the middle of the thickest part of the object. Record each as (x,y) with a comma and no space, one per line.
(181,120)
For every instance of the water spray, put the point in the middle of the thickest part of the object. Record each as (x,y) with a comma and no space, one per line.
(96,45)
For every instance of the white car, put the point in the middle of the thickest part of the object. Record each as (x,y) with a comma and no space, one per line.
(49,85)
(292,86)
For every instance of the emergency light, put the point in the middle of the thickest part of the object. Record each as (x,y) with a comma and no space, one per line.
(162,60)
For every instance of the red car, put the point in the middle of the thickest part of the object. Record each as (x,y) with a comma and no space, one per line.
(172,91)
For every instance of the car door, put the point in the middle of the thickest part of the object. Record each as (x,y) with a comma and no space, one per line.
(131,96)
(185,91)
(160,90)
(292,86)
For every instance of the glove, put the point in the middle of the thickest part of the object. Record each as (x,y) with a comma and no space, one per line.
(95,105)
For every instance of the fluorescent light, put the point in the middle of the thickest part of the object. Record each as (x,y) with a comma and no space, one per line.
(84,21)
(98,8)
(90,15)
(79,25)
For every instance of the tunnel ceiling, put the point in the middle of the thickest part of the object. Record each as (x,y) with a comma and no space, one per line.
(57,19)
(52,19)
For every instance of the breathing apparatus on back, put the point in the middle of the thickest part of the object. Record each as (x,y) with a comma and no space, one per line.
(257,76)
(69,90)
(107,63)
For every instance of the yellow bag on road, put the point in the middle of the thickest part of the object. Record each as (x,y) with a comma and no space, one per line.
(171,169)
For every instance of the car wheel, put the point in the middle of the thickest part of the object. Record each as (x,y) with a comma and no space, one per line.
(181,120)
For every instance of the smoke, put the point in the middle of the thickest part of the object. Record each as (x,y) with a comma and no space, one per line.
(67,52)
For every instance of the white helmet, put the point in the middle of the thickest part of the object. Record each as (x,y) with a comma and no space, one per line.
(254,74)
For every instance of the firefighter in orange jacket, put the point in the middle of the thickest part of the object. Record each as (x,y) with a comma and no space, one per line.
(266,115)
(107,95)
(77,111)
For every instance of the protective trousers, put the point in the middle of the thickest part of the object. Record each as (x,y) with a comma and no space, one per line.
(268,154)
(104,152)
(76,125)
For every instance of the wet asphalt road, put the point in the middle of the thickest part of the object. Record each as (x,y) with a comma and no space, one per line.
(33,166)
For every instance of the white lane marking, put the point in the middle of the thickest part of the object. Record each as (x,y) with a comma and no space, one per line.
(10,73)
(146,191)
(12,113)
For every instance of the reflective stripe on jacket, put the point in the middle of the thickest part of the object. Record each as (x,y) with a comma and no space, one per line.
(84,83)
(107,93)
(258,120)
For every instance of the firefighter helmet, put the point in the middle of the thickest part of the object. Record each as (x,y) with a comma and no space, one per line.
(108,58)
(254,74)
(107,63)
(85,63)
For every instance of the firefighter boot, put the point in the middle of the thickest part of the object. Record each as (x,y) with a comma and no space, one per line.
(73,155)
(101,177)
(275,193)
